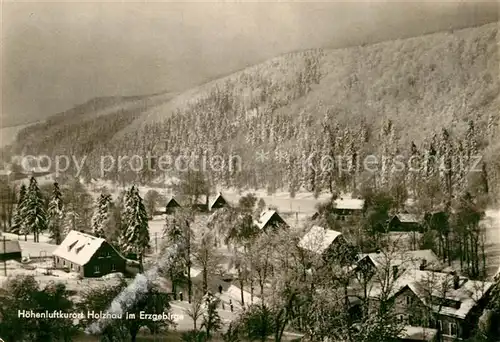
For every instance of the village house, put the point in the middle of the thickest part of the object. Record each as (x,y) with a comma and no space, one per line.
(448,303)
(345,207)
(88,255)
(10,250)
(323,242)
(171,206)
(270,219)
(218,202)
(404,222)
(396,263)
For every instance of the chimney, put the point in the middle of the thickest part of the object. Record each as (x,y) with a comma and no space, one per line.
(456,281)
(394,272)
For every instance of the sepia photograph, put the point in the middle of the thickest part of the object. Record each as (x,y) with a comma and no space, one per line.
(238,171)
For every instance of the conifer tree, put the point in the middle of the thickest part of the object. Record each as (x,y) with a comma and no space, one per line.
(102,216)
(55,215)
(18,225)
(35,214)
(135,238)
(70,220)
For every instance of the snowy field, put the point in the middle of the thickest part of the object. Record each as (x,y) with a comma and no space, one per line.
(31,249)
(303,203)
(492,224)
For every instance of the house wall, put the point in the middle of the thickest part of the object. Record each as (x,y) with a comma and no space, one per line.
(397,226)
(342,214)
(61,263)
(274,222)
(415,313)
(106,260)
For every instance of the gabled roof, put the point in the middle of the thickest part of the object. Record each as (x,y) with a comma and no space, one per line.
(427,285)
(265,217)
(172,202)
(78,247)
(219,197)
(318,239)
(407,218)
(11,246)
(349,203)
(408,259)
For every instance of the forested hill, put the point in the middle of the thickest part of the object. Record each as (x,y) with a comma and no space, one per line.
(369,99)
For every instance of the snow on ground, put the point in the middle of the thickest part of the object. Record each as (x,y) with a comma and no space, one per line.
(44,274)
(10,236)
(33,249)
(492,224)
(304,202)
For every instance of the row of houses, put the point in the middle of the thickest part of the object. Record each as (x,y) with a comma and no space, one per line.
(345,208)
(433,302)
(199,205)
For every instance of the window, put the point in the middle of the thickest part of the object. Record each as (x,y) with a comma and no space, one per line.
(440,325)
(71,265)
(96,269)
(408,300)
(453,329)
(64,263)
(113,267)
(401,318)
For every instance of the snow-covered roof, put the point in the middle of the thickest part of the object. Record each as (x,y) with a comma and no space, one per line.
(410,259)
(318,239)
(78,247)
(194,272)
(349,203)
(5,172)
(11,246)
(264,218)
(427,285)
(407,218)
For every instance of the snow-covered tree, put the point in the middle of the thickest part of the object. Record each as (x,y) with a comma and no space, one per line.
(35,214)
(102,216)
(69,222)
(135,237)
(55,215)
(18,225)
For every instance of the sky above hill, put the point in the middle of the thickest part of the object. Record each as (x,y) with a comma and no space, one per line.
(57,55)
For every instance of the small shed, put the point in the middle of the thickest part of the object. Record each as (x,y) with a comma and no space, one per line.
(10,250)
(270,218)
(218,202)
(172,205)
(404,222)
